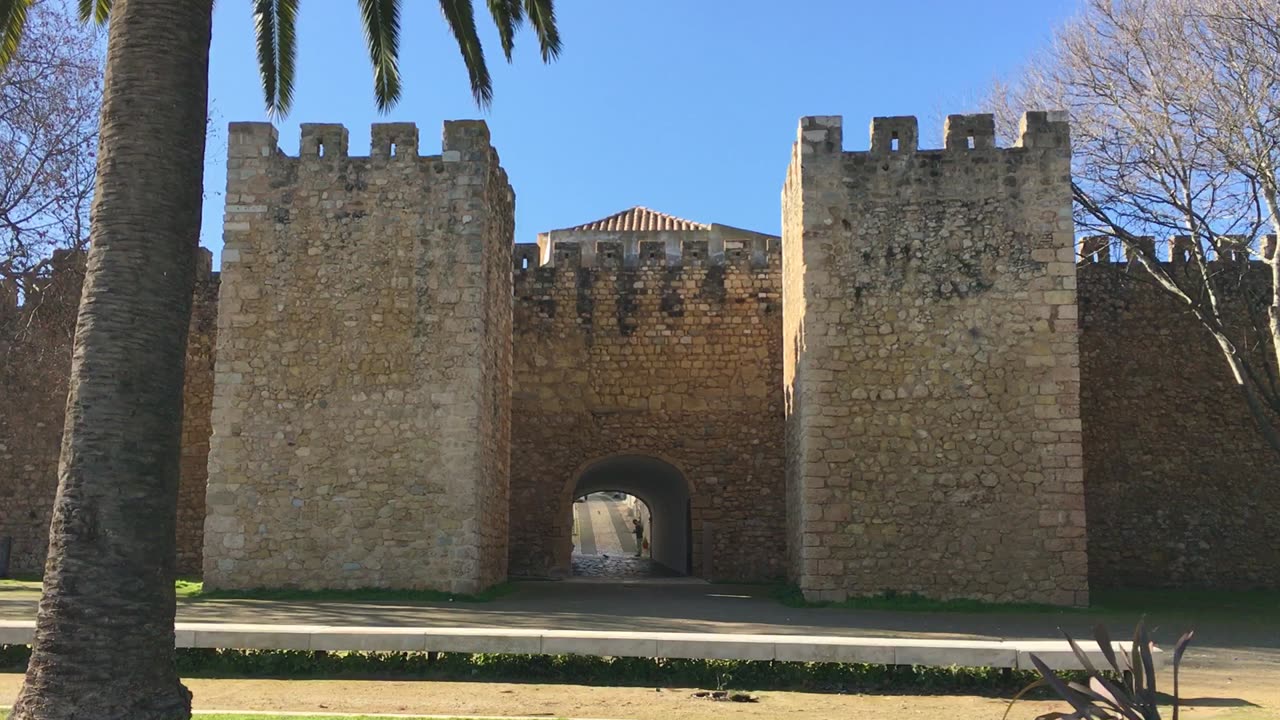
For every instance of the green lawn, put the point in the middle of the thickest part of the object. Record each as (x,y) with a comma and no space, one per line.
(1236,603)
(193,589)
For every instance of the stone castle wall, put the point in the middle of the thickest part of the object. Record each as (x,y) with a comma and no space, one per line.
(668,347)
(932,369)
(907,421)
(360,412)
(1181,485)
(35,363)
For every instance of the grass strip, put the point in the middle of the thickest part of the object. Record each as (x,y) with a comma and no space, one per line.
(1234,603)
(193,590)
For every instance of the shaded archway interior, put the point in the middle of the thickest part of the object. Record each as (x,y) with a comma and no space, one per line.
(660,486)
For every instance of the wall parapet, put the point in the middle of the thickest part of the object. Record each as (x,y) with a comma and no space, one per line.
(1174,250)
(653,249)
(399,141)
(971,133)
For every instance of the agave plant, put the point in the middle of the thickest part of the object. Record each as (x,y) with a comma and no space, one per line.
(1132,697)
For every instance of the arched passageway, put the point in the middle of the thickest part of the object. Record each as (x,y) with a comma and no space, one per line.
(660,486)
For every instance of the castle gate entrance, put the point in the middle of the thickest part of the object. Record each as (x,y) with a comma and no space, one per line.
(663,511)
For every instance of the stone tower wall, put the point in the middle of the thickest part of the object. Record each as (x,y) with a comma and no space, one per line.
(1181,486)
(361,411)
(35,364)
(933,426)
(662,347)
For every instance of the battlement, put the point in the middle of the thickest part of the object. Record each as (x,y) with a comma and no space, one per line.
(1175,251)
(64,273)
(320,142)
(900,136)
(633,251)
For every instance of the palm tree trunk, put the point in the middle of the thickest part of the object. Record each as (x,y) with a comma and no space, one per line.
(104,637)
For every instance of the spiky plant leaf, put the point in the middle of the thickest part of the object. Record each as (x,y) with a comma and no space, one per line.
(542,16)
(1079,704)
(1178,651)
(96,11)
(382,35)
(275,26)
(1037,684)
(13,20)
(462,23)
(508,16)
(1104,643)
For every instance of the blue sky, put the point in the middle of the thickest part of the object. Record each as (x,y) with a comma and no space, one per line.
(685,106)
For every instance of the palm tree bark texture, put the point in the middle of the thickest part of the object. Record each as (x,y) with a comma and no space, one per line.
(104,637)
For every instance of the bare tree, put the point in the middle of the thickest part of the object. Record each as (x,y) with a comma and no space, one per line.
(1175,112)
(49,99)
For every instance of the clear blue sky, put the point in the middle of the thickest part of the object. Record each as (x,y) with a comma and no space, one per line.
(685,106)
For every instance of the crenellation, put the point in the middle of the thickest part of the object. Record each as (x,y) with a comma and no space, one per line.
(1045,130)
(323,140)
(250,140)
(1095,249)
(894,135)
(721,246)
(970,132)
(394,140)
(653,253)
(1146,243)
(610,254)
(525,256)
(1180,249)
(695,253)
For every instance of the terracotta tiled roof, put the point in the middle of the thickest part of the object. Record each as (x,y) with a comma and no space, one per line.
(638,219)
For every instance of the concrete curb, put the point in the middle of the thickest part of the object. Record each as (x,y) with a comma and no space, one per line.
(707,646)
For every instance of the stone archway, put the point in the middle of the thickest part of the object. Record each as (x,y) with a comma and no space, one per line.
(659,484)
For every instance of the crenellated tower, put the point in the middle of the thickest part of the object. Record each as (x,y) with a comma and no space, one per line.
(362,396)
(931,363)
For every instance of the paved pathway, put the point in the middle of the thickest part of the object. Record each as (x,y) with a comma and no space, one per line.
(605,545)
(1249,644)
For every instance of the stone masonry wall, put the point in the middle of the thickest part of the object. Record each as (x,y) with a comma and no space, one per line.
(360,417)
(1181,485)
(35,364)
(674,356)
(932,371)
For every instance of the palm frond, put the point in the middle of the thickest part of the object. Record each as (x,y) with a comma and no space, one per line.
(275,25)
(96,11)
(542,16)
(462,23)
(13,20)
(507,15)
(382,34)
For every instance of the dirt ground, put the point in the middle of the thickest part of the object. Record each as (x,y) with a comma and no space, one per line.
(1213,696)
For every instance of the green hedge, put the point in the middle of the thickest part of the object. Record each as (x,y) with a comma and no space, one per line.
(585,670)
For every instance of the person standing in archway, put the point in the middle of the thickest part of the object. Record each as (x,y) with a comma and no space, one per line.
(637,528)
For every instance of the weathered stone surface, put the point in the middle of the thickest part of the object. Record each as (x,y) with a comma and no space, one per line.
(1181,485)
(673,353)
(362,392)
(35,362)
(926,357)
(933,417)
